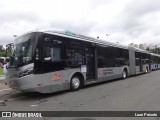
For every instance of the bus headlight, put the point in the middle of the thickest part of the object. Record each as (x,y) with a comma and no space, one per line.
(25,72)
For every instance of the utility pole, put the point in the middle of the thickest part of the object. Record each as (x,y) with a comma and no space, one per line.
(107,36)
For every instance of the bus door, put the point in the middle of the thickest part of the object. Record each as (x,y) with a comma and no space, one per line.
(141,64)
(53,62)
(90,62)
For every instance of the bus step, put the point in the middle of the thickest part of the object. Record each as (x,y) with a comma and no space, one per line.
(91,81)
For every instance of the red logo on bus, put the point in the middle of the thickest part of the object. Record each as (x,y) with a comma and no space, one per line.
(101,71)
(56,76)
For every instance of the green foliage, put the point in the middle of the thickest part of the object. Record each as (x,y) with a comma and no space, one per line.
(156,50)
(6,53)
(9,52)
(1,71)
(2,53)
(147,49)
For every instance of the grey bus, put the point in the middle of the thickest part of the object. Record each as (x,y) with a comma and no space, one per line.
(51,61)
(155,61)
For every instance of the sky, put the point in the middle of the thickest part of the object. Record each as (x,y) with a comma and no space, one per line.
(122,21)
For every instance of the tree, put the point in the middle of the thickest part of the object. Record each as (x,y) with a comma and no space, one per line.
(9,51)
(155,50)
(6,52)
(147,49)
(2,53)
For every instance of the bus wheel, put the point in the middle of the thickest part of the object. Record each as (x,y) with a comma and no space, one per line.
(75,83)
(124,74)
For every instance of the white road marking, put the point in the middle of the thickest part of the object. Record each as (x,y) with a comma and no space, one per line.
(34,105)
(5,89)
(17,98)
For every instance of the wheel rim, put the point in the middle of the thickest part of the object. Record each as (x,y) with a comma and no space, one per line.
(75,82)
(124,74)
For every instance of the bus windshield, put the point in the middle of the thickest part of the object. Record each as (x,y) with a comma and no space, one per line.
(22,54)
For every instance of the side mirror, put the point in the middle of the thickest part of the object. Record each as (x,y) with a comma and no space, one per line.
(47,59)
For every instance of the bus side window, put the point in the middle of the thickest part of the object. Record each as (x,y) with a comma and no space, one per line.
(56,54)
(52,54)
(74,54)
(143,61)
(137,61)
(47,56)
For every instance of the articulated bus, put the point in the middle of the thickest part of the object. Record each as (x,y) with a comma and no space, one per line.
(51,61)
(155,61)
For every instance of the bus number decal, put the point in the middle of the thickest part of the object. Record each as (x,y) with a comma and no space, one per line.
(107,71)
(56,76)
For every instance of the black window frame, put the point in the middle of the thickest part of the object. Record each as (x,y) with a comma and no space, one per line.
(110,56)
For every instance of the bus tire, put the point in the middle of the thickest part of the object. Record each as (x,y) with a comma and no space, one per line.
(75,83)
(124,74)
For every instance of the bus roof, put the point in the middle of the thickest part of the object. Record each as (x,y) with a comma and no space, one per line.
(90,39)
(139,50)
(154,54)
(69,34)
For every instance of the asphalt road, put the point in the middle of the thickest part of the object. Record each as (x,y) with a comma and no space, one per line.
(136,93)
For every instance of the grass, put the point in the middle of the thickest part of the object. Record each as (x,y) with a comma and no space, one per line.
(1,71)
